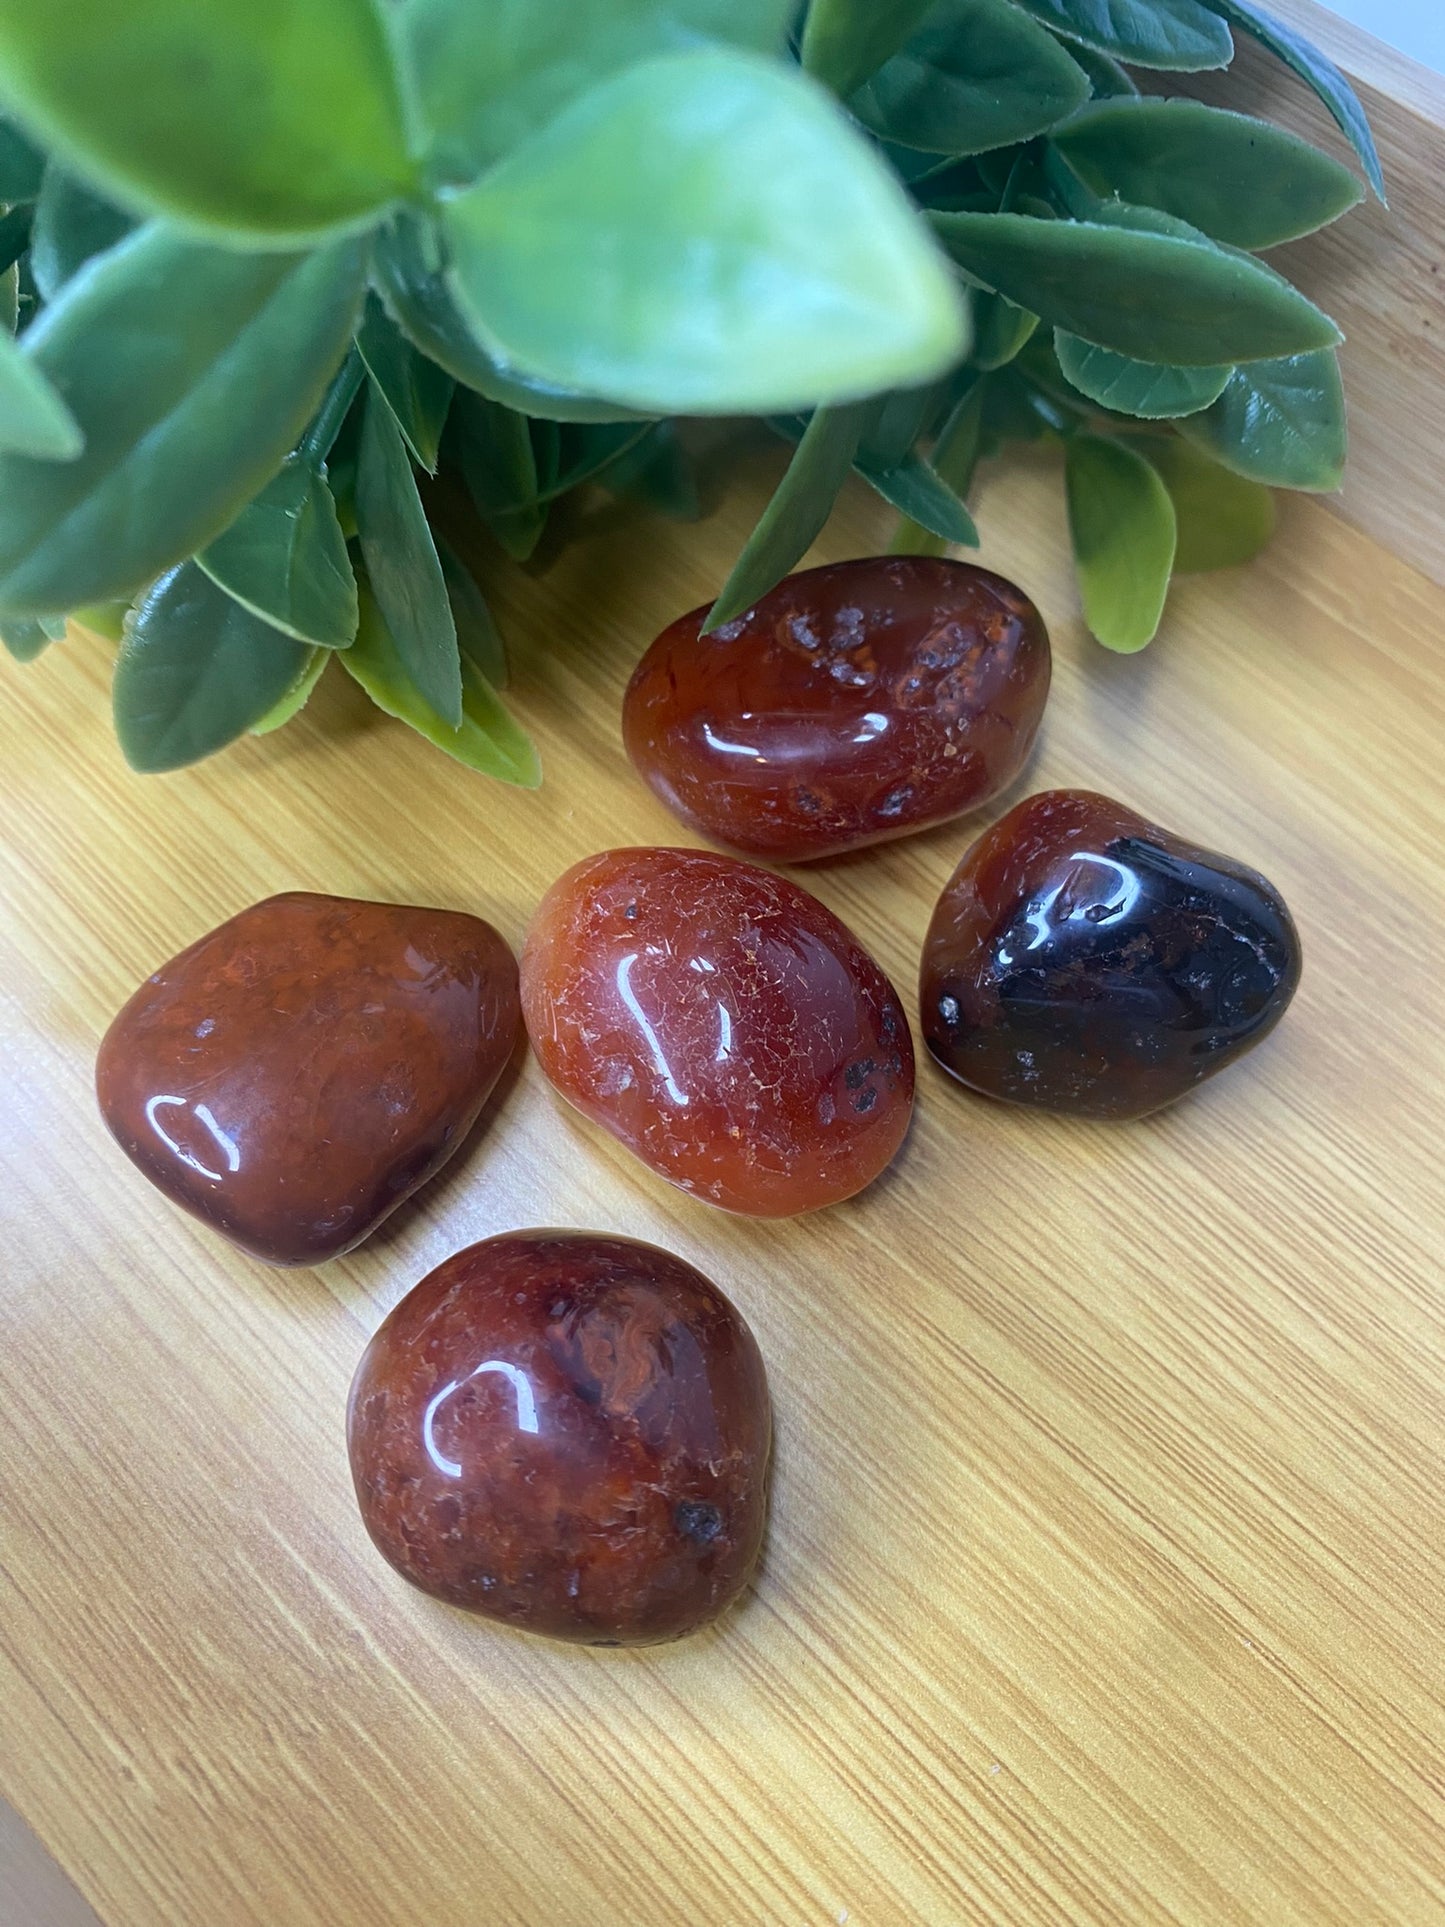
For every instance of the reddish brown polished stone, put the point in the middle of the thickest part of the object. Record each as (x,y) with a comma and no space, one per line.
(722,1024)
(853,703)
(1084,960)
(568,1432)
(294,1075)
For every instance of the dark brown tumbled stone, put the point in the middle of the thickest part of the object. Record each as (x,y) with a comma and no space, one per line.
(569,1432)
(1082,959)
(293,1076)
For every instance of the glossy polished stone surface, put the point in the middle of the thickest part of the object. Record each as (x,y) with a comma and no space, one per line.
(723,1024)
(853,703)
(293,1076)
(1082,959)
(569,1432)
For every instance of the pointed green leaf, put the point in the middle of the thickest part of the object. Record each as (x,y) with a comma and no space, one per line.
(488,76)
(1318,73)
(23,638)
(659,473)
(263,119)
(478,637)
(801,504)
(284,558)
(415,389)
(1000,331)
(975,74)
(845,42)
(898,421)
(1107,79)
(192,418)
(1189,303)
(195,671)
(410,270)
(296,697)
(1150,390)
(915,489)
(1279,422)
(71,225)
(487,740)
(402,562)
(22,165)
(708,287)
(499,466)
(34,421)
(1122,524)
(1222,519)
(1176,36)
(1240,180)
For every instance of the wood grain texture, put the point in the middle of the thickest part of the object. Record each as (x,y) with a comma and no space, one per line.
(1108,1531)
(1380,272)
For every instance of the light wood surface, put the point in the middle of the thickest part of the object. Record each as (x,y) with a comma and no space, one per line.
(1108,1532)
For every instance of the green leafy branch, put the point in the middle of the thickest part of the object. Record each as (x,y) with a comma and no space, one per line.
(262,263)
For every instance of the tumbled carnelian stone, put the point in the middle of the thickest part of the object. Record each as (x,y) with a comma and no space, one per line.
(722,1024)
(568,1432)
(1082,959)
(294,1075)
(853,703)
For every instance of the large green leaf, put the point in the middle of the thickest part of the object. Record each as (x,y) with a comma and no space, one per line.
(284,558)
(22,165)
(402,562)
(409,266)
(1279,422)
(195,671)
(847,41)
(976,74)
(707,285)
(499,465)
(256,118)
(800,505)
(34,420)
(487,740)
(1121,521)
(1178,36)
(1166,297)
(183,423)
(1241,180)
(917,491)
(1222,519)
(1318,73)
(1150,390)
(489,75)
(414,388)
(478,637)
(296,697)
(71,225)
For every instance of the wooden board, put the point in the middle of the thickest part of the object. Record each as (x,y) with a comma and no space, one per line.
(1108,1531)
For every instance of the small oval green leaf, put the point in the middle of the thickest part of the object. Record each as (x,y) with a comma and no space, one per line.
(847,41)
(1238,179)
(488,738)
(1121,521)
(284,558)
(195,671)
(1175,36)
(1190,304)
(296,697)
(1222,519)
(23,638)
(1279,422)
(257,118)
(192,418)
(1150,390)
(709,288)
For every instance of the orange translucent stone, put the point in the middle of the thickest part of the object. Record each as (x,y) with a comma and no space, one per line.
(853,703)
(723,1024)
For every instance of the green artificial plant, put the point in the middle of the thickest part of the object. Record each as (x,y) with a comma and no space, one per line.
(262,262)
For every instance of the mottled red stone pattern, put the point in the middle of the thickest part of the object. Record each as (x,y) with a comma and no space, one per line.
(722,1024)
(568,1432)
(853,703)
(296,1074)
(1082,959)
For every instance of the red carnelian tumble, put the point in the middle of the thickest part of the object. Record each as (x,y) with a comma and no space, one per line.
(851,704)
(723,1024)
(568,1432)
